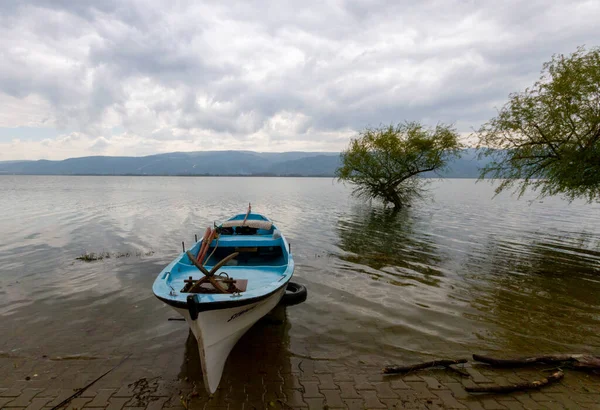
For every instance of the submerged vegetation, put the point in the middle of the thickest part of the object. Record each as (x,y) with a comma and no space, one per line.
(92,256)
(384,163)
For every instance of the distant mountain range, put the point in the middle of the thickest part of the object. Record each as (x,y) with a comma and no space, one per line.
(246,163)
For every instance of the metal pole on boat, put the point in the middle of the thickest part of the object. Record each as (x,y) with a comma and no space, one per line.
(196,237)
(183,245)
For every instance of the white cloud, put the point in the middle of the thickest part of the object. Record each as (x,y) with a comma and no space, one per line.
(137,77)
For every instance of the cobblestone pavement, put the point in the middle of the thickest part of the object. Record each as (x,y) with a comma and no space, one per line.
(264,372)
(294,382)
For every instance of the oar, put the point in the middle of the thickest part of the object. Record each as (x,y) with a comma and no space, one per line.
(223,262)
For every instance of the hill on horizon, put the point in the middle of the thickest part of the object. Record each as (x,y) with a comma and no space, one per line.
(216,163)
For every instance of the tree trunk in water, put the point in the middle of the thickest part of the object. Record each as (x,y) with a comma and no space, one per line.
(393,197)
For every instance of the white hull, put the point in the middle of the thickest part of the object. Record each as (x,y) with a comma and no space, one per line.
(217,331)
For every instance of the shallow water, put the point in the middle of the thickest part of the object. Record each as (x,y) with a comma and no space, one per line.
(457,273)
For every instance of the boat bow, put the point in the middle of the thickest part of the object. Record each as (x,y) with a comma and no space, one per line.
(250,261)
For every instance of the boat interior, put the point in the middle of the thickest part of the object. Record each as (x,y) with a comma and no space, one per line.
(248,255)
(261,257)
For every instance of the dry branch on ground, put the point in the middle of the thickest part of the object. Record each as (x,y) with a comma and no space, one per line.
(576,361)
(536,384)
(420,366)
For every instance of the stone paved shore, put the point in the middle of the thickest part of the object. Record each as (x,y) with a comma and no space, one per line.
(268,369)
(150,383)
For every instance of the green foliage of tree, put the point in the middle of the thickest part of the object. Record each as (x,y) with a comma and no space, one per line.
(547,137)
(384,162)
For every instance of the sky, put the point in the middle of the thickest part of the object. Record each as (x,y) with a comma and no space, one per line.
(139,77)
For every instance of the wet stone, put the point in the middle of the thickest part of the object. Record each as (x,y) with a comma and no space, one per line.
(78,403)
(315,403)
(384,391)
(474,405)
(421,389)
(348,391)
(326,381)
(514,405)
(24,398)
(432,383)
(392,403)
(412,378)
(371,399)
(362,382)
(458,391)
(362,388)
(449,400)
(157,403)
(293,398)
(354,404)
(13,392)
(398,383)
(491,404)
(38,403)
(343,376)
(4,401)
(476,376)
(528,402)
(321,366)
(311,389)
(101,398)
(333,398)
(117,403)
(290,381)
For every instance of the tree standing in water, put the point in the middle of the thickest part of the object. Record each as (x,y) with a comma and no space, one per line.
(385,162)
(548,136)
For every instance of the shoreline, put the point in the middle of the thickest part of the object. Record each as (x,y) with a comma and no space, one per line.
(204,176)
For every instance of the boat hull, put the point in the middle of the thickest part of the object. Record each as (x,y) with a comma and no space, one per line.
(218,330)
(249,248)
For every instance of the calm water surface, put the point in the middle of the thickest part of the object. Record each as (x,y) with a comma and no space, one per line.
(457,273)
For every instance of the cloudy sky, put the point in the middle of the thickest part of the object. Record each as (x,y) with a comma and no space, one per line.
(137,77)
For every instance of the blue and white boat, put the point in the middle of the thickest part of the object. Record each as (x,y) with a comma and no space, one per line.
(225,283)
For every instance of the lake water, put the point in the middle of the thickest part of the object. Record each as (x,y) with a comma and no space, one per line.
(457,273)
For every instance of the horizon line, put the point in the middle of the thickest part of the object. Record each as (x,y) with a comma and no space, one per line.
(184,152)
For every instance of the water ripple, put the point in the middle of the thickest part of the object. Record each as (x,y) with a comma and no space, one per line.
(456,273)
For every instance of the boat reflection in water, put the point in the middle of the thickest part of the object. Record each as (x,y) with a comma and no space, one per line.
(261,356)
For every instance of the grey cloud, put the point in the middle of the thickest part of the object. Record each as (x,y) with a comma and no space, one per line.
(87,9)
(232,67)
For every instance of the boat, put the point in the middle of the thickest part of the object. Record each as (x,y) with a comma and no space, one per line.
(236,274)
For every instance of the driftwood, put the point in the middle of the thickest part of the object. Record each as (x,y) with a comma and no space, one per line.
(419,366)
(517,387)
(576,361)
